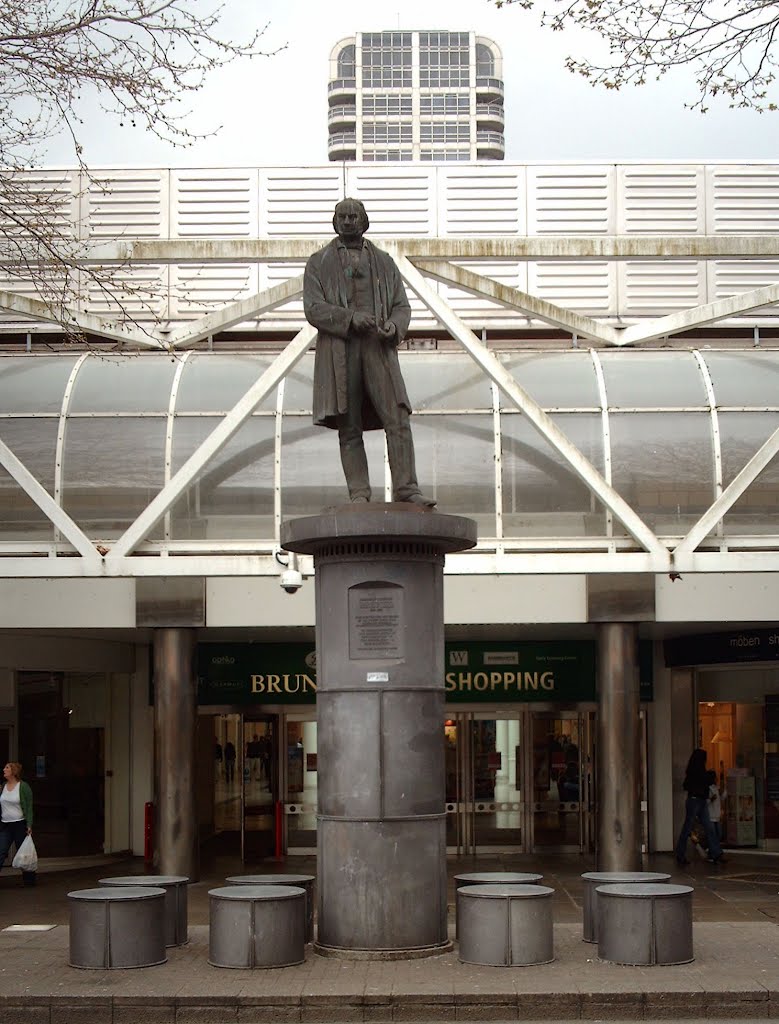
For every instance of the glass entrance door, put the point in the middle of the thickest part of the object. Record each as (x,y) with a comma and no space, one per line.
(221,735)
(484,769)
(563,783)
(260,787)
(300,785)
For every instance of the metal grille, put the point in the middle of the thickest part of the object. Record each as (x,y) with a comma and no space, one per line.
(379,549)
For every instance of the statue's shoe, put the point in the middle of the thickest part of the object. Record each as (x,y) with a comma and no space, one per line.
(421,499)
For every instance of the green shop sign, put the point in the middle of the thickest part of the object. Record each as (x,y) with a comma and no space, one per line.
(560,672)
(256,674)
(480,672)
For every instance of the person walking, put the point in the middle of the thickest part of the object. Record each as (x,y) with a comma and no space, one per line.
(696,783)
(230,754)
(715,805)
(16,810)
(253,758)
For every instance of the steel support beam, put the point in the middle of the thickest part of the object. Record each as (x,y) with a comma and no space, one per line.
(236,313)
(516,247)
(513,298)
(213,444)
(728,498)
(147,564)
(586,327)
(533,411)
(698,316)
(54,512)
(77,320)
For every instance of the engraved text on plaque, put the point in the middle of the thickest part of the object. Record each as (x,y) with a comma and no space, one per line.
(376,621)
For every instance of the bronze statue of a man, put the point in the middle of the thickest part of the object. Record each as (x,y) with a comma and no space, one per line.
(353,294)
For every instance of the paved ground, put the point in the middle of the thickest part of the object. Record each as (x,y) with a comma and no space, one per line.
(735,972)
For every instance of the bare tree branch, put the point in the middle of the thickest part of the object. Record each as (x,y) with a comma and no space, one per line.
(728,44)
(142,60)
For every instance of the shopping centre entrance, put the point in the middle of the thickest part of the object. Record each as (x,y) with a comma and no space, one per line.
(516,781)
(519,732)
(245,786)
(520,782)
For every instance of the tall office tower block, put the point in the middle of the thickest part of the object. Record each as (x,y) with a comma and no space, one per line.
(397,96)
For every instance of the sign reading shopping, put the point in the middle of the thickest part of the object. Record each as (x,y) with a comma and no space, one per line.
(474,672)
(520,672)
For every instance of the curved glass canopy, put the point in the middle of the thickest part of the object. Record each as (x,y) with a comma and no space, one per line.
(668,429)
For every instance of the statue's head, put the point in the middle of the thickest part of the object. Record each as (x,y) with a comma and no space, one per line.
(350,219)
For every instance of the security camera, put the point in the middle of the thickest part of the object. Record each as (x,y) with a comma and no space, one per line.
(291,580)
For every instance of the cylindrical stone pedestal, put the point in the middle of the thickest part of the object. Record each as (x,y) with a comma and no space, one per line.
(381,844)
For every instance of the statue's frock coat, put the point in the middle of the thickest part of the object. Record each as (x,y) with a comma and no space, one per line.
(326,307)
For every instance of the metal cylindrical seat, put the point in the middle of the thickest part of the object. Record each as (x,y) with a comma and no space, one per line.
(491,878)
(592,879)
(257,926)
(175,889)
(300,881)
(645,924)
(505,925)
(117,927)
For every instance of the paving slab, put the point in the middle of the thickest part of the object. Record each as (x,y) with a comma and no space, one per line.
(735,972)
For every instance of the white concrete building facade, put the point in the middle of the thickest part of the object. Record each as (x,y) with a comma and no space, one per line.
(591,362)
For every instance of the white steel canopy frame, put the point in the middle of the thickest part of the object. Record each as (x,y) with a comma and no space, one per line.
(422,263)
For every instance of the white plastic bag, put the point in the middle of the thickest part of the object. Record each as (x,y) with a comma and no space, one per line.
(26,857)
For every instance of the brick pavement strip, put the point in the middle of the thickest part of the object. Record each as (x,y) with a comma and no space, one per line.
(735,975)
(144,1015)
(94,1010)
(551,1006)
(268,1013)
(27,1015)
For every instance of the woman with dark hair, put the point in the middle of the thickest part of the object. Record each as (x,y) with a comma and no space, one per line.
(16,813)
(696,783)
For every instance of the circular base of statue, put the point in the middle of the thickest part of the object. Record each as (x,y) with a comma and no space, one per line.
(416,953)
(387,521)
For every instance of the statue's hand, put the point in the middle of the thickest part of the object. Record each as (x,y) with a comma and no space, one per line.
(363,323)
(387,331)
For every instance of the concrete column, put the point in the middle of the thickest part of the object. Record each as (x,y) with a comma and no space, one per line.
(619,775)
(175,724)
(381,835)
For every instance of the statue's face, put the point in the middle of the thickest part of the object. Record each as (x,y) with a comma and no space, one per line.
(348,221)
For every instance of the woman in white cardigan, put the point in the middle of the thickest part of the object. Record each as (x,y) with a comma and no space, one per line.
(16,812)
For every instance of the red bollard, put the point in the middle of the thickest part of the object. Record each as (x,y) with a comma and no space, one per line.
(148,834)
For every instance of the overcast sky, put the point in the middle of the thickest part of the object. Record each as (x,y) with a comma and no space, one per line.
(273,111)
